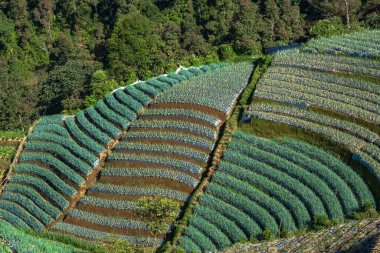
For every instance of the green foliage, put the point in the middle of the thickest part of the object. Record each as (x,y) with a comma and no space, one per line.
(134,52)
(266,235)
(11,134)
(24,242)
(328,27)
(65,87)
(100,86)
(157,213)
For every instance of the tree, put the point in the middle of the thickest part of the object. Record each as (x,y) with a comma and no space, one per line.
(100,87)
(245,29)
(158,214)
(346,9)
(134,48)
(70,81)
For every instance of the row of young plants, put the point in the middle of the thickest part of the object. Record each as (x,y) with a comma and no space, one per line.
(108,203)
(209,132)
(29,206)
(289,193)
(128,100)
(103,236)
(137,136)
(119,107)
(158,160)
(183,113)
(372,90)
(372,150)
(352,179)
(343,192)
(29,192)
(321,198)
(217,90)
(73,147)
(368,162)
(102,124)
(355,94)
(285,95)
(91,130)
(54,163)
(41,186)
(51,128)
(21,213)
(60,153)
(327,63)
(50,177)
(162,148)
(362,44)
(138,191)
(318,118)
(82,138)
(315,94)
(347,140)
(111,115)
(150,172)
(291,197)
(106,221)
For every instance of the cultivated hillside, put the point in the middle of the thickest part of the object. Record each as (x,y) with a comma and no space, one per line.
(251,151)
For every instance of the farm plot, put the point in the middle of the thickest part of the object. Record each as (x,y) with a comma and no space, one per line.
(62,152)
(362,44)
(261,184)
(352,136)
(328,63)
(163,154)
(296,86)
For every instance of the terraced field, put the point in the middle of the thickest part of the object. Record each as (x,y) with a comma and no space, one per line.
(163,154)
(261,184)
(63,154)
(337,98)
(362,44)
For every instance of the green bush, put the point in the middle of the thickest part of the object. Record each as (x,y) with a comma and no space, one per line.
(226,52)
(328,27)
(266,235)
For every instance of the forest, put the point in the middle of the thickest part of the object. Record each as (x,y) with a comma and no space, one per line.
(60,56)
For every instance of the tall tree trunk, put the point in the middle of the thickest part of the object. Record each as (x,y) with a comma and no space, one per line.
(347,8)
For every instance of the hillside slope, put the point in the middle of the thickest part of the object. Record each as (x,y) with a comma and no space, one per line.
(163,154)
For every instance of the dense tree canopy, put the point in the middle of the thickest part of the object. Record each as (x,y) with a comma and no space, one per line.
(49,49)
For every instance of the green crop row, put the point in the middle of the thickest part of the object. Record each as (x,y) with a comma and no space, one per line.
(120,108)
(150,172)
(82,138)
(27,205)
(321,119)
(162,148)
(332,180)
(183,113)
(107,220)
(53,163)
(21,213)
(177,125)
(62,153)
(352,179)
(33,195)
(48,176)
(103,236)
(91,129)
(101,123)
(108,203)
(135,136)
(111,116)
(158,160)
(41,186)
(128,101)
(74,148)
(50,128)
(136,191)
